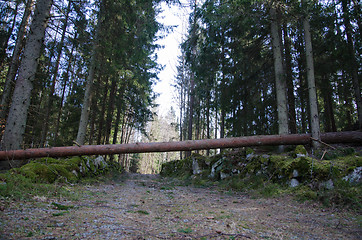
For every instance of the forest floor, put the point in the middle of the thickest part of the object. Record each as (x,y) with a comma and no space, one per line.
(150,207)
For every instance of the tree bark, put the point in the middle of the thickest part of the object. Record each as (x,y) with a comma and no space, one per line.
(313,101)
(289,82)
(16,122)
(279,74)
(83,122)
(262,140)
(15,60)
(110,110)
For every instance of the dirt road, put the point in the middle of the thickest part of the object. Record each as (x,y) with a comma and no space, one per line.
(149,207)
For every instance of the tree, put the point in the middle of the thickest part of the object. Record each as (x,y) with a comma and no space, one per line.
(15,60)
(279,73)
(83,122)
(315,129)
(16,122)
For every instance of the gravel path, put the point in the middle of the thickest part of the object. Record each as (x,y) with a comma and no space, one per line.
(149,207)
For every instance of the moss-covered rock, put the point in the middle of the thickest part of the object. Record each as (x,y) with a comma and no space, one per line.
(49,170)
(300,151)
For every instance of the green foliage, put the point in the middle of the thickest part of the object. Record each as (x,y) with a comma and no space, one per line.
(61,207)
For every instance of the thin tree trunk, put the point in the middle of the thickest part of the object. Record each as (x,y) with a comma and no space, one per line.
(313,101)
(102,113)
(16,122)
(110,110)
(279,75)
(289,82)
(83,122)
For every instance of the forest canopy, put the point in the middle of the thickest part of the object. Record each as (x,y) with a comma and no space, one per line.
(83,71)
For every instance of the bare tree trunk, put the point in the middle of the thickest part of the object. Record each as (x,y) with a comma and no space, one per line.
(15,60)
(83,122)
(279,74)
(16,122)
(313,101)
(261,140)
(289,82)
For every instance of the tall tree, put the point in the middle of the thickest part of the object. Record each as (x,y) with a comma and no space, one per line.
(16,122)
(313,102)
(82,129)
(280,84)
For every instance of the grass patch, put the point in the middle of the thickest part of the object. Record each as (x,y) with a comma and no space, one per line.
(184,230)
(59,214)
(61,207)
(142,212)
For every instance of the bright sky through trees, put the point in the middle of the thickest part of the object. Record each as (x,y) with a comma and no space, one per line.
(171,16)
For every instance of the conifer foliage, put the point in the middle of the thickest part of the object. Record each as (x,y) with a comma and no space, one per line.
(85,72)
(250,69)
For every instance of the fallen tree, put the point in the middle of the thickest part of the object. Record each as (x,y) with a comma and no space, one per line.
(110,149)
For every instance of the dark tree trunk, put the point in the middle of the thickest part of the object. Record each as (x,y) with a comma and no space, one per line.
(110,110)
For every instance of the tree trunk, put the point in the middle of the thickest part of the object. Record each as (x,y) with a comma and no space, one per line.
(313,101)
(16,122)
(289,82)
(15,60)
(262,140)
(353,70)
(110,110)
(83,122)
(102,113)
(279,75)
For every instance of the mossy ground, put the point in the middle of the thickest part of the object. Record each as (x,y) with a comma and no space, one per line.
(268,175)
(51,177)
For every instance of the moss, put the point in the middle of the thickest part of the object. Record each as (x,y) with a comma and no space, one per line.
(249,151)
(304,193)
(49,170)
(38,172)
(300,149)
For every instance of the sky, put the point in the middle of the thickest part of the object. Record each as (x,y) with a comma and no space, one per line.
(167,56)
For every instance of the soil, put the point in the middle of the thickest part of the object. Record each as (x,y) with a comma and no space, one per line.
(151,207)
